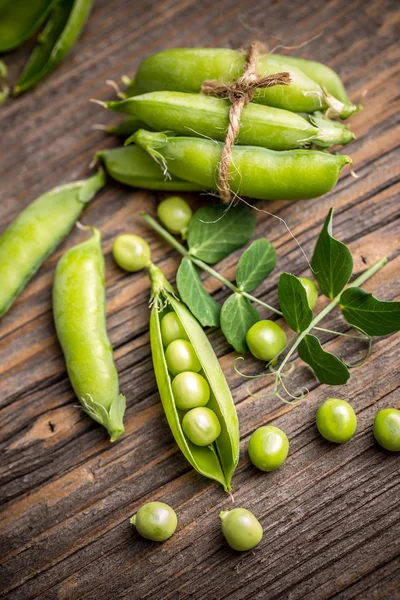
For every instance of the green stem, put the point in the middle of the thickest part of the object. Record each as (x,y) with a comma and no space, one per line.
(359,281)
(261,303)
(348,335)
(202,265)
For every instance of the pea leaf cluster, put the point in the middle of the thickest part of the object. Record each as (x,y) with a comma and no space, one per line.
(215,233)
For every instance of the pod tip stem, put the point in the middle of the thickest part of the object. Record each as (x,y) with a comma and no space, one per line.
(99,102)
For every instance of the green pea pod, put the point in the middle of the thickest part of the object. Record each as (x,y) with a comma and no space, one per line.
(80,320)
(326,77)
(185,70)
(133,166)
(20,19)
(255,172)
(219,460)
(62,30)
(200,115)
(37,231)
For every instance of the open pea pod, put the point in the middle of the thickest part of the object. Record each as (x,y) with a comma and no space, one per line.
(20,19)
(62,29)
(219,460)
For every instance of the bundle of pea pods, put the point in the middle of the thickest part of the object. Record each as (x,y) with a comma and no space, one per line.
(175,134)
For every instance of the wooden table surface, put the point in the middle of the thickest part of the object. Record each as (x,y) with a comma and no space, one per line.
(331,514)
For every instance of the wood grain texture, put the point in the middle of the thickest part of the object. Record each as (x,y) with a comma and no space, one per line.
(330,515)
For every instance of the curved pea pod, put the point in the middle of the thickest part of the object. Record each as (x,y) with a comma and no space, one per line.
(186,69)
(255,172)
(327,78)
(79,316)
(20,19)
(59,35)
(38,230)
(133,166)
(200,115)
(219,460)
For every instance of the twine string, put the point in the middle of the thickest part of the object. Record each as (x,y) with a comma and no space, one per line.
(239,93)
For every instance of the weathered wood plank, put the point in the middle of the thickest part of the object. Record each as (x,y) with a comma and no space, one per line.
(331,514)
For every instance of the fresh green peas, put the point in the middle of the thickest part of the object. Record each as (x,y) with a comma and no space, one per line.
(387,429)
(254,171)
(155,521)
(131,252)
(336,420)
(268,448)
(218,460)
(190,390)
(171,329)
(180,356)
(175,214)
(311,291)
(266,339)
(241,529)
(201,426)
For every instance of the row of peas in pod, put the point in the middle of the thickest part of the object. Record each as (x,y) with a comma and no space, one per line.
(194,392)
(175,133)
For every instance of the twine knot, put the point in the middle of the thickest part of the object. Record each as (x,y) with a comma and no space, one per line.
(239,93)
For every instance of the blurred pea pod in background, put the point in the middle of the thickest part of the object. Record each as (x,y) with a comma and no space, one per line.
(63,22)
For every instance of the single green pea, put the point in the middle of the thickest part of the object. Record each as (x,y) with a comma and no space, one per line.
(180,356)
(387,429)
(190,390)
(311,291)
(175,214)
(268,448)
(171,329)
(155,521)
(201,426)
(131,252)
(336,420)
(266,340)
(241,529)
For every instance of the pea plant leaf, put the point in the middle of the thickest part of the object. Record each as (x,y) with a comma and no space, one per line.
(332,262)
(364,311)
(237,316)
(193,294)
(292,298)
(215,232)
(255,264)
(327,367)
